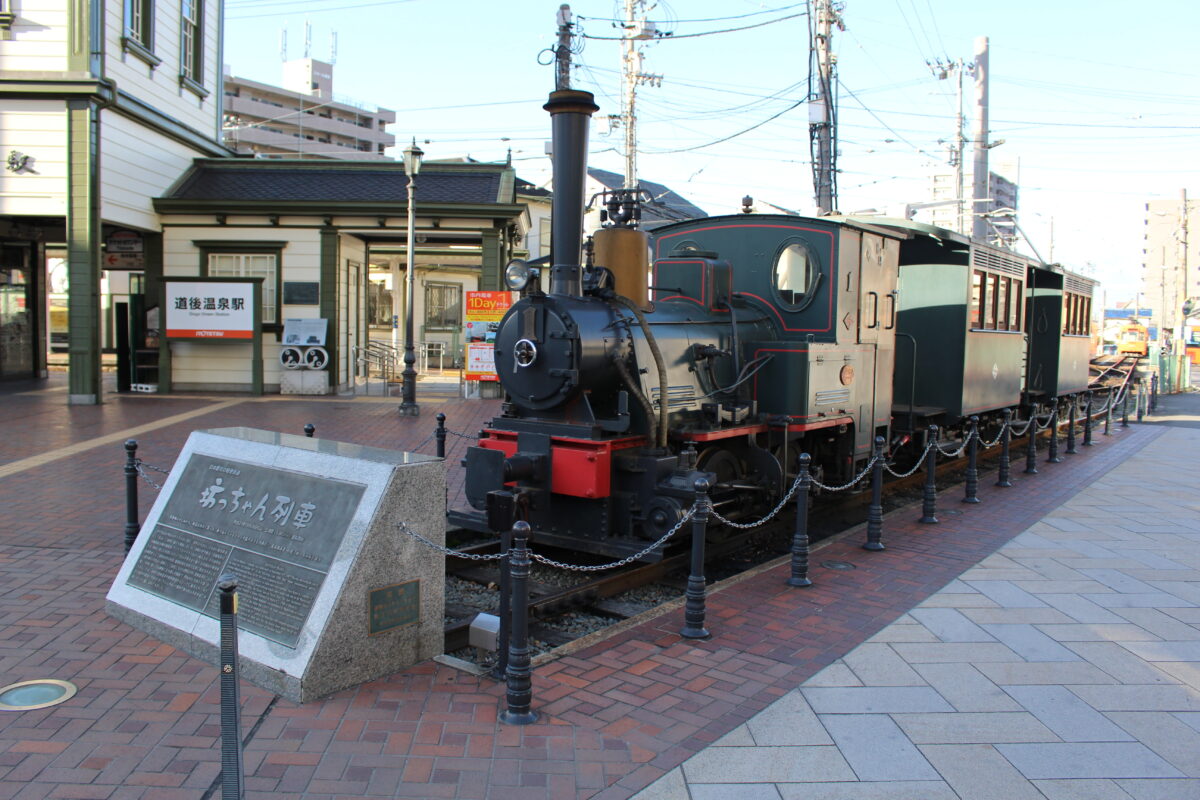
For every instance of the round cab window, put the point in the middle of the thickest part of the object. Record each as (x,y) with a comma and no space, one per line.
(796,271)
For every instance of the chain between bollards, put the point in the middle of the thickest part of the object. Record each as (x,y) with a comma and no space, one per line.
(1052,456)
(693,609)
(800,536)
(929,499)
(440,435)
(132,526)
(519,675)
(233,775)
(1003,479)
(875,509)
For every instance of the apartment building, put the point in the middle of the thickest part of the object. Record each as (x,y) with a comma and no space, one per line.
(303,118)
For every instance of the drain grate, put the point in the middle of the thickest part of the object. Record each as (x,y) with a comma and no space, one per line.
(42,693)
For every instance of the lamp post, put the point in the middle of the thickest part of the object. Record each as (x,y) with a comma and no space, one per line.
(409,407)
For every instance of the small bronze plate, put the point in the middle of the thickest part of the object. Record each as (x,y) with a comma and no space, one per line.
(847,375)
(392,607)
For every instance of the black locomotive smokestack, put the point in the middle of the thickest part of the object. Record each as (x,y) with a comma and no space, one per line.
(571,112)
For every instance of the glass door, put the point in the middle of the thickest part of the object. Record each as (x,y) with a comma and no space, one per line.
(16,313)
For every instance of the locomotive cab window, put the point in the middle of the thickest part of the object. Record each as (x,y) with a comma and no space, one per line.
(797,273)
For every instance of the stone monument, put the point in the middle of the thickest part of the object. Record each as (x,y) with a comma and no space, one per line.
(332,590)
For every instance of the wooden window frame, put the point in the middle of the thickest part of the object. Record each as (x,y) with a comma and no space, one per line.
(977,299)
(458,287)
(191,47)
(138,38)
(209,248)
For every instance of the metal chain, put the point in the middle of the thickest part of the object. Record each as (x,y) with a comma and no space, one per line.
(151,466)
(627,560)
(146,477)
(955,453)
(446,550)
(845,486)
(460,435)
(919,464)
(428,439)
(770,516)
(994,442)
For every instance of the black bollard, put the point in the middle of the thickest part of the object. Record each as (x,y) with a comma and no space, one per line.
(1139,398)
(440,435)
(501,511)
(309,430)
(972,489)
(1154,392)
(1005,440)
(929,500)
(1087,421)
(693,609)
(233,775)
(875,509)
(1052,456)
(1031,445)
(132,526)
(1071,425)
(1125,408)
(1108,409)
(519,675)
(800,536)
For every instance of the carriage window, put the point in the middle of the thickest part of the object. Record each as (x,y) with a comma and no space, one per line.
(796,271)
(1014,296)
(989,319)
(1002,304)
(977,299)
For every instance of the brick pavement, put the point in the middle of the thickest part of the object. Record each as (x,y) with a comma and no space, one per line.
(616,715)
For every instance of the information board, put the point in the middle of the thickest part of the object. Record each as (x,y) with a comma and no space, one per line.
(484,312)
(277,531)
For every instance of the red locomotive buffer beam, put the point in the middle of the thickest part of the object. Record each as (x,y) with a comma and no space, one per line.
(579,467)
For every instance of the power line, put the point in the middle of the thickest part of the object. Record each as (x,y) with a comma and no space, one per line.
(667,37)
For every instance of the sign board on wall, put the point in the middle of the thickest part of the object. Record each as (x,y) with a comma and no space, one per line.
(210,309)
(484,312)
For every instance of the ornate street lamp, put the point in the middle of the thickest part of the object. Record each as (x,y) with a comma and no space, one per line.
(412,165)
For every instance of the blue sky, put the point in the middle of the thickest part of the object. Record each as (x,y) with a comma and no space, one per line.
(1098,102)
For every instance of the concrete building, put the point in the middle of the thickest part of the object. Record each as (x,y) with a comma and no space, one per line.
(1171,260)
(102,107)
(1002,194)
(303,118)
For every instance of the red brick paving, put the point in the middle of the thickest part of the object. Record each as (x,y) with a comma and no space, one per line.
(615,716)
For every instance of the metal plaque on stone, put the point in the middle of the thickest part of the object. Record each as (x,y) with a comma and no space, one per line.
(277,531)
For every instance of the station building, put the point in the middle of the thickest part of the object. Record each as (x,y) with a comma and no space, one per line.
(116,180)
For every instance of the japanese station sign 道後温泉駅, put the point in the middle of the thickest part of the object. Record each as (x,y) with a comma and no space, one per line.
(484,312)
(208,309)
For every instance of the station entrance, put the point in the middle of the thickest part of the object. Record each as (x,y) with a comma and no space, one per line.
(19,328)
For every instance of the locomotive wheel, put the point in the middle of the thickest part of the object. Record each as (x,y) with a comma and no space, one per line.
(722,462)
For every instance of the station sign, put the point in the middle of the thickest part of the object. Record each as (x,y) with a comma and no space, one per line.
(208,309)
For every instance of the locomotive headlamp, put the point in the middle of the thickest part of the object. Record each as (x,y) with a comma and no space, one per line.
(517,274)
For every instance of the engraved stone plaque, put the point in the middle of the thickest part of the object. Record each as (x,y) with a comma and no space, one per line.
(276,531)
(311,529)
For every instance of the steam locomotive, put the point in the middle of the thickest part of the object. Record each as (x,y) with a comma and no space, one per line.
(748,340)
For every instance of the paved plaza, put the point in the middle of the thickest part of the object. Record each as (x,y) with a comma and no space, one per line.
(1045,643)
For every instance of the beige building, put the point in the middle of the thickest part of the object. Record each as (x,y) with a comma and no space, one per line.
(1170,258)
(303,118)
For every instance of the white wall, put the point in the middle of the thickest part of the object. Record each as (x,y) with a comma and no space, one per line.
(38,39)
(37,128)
(136,165)
(222,364)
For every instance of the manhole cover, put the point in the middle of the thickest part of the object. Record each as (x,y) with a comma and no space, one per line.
(843,565)
(28,695)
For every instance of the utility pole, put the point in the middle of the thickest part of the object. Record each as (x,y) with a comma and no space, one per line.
(635,30)
(958,146)
(562,52)
(822,104)
(979,142)
(1182,238)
